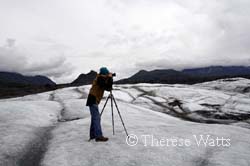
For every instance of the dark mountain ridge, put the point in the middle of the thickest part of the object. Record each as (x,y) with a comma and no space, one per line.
(14,84)
(8,79)
(187,76)
(156,76)
(218,71)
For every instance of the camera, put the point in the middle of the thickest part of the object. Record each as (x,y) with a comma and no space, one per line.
(113,74)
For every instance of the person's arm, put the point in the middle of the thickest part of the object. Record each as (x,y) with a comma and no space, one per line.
(105,82)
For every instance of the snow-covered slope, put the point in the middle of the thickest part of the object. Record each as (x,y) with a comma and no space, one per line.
(169,120)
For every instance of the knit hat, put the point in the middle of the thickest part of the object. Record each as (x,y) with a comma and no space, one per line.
(104,71)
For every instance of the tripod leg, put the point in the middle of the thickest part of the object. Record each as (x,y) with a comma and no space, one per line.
(112,98)
(105,105)
(112,111)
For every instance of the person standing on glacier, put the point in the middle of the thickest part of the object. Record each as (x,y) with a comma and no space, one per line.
(102,82)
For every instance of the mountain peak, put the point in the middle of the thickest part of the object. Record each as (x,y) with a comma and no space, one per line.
(84,79)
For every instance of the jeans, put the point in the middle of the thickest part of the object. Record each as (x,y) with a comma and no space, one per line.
(95,126)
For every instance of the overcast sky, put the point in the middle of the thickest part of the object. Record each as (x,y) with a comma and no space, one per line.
(63,38)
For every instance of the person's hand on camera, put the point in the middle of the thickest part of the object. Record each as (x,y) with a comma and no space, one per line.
(110,75)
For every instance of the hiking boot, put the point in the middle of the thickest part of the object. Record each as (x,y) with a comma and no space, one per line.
(101,139)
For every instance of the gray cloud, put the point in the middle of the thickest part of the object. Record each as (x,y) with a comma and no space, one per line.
(16,59)
(12,59)
(192,33)
(125,35)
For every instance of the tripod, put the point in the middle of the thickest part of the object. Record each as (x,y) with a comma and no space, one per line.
(111,97)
